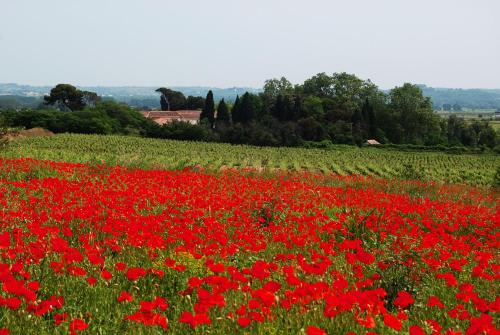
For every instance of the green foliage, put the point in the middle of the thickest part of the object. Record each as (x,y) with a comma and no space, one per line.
(209,109)
(194,103)
(410,172)
(171,100)
(276,87)
(223,116)
(67,97)
(105,118)
(3,134)
(496,179)
(185,131)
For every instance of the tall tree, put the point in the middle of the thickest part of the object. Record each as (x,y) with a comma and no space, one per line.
(90,98)
(416,115)
(249,109)
(66,97)
(236,111)
(223,116)
(171,100)
(275,87)
(209,109)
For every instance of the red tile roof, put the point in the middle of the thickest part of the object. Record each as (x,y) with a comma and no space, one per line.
(162,117)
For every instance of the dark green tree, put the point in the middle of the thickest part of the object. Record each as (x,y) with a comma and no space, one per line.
(249,107)
(416,115)
(236,111)
(171,100)
(208,112)
(223,116)
(275,87)
(195,102)
(66,97)
(90,99)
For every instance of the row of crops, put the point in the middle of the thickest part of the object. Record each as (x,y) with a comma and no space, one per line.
(152,153)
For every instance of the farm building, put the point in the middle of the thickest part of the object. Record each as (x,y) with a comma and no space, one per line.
(164,117)
(372,142)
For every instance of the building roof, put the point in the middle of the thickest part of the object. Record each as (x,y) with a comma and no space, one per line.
(372,142)
(187,115)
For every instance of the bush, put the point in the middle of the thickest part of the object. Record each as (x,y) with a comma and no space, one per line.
(411,173)
(3,135)
(496,179)
(185,131)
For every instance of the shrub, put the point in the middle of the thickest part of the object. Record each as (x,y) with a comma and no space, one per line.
(3,135)
(496,179)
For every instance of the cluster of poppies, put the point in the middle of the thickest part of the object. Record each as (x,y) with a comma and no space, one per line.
(100,249)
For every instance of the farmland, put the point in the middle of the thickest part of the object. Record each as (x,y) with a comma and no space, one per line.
(114,234)
(342,160)
(90,249)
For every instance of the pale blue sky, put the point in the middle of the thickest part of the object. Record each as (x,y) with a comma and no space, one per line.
(224,43)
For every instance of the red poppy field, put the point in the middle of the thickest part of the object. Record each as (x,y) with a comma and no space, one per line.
(90,249)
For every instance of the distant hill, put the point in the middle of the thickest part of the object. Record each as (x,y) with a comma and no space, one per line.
(137,96)
(464,98)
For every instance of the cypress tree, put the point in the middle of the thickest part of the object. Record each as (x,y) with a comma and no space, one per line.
(209,110)
(223,112)
(236,112)
(248,109)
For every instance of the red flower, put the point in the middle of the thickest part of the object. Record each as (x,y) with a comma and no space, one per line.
(77,325)
(403,300)
(312,330)
(194,320)
(244,322)
(124,296)
(392,322)
(4,240)
(416,330)
(92,281)
(134,274)
(106,275)
(435,302)
(60,318)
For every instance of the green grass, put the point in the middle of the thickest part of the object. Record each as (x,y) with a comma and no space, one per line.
(167,154)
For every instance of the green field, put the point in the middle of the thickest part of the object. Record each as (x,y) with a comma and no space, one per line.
(344,160)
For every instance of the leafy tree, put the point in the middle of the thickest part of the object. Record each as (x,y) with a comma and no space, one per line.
(311,130)
(209,109)
(488,137)
(223,116)
(249,107)
(313,107)
(171,100)
(282,110)
(320,85)
(128,121)
(415,113)
(90,98)
(66,97)
(369,118)
(275,87)
(195,102)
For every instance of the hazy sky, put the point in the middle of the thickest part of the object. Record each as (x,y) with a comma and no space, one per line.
(224,43)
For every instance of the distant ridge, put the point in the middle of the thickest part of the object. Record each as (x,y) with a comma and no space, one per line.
(119,92)
(145,95)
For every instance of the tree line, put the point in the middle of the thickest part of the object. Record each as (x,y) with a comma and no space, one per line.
(339,108)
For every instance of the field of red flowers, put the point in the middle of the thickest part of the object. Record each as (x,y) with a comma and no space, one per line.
(110,250)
